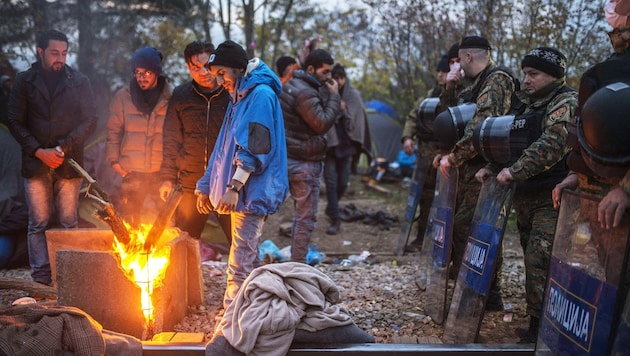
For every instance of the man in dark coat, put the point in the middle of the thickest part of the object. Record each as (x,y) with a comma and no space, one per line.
(193,121)
(51,114)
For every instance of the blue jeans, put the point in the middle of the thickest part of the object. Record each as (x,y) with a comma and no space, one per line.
(46,193)
(336,177)
(243,258)
(304,178)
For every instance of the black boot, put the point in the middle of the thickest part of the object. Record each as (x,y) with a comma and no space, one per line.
(529,335)
(494,302)
(333,229)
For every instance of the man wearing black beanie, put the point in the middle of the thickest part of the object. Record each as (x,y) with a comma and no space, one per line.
(550,106)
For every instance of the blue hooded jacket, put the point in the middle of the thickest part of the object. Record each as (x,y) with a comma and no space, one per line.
(252,136)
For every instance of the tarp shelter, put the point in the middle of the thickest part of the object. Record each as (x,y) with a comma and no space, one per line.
(386,134)
(381,107)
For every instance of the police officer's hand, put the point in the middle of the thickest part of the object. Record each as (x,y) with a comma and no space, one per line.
(165,189)
(482,174)
(203,204)
(570,182)
(445,165)
(612,208)
(50,157)
(228,202)
(505,177)
(436,160)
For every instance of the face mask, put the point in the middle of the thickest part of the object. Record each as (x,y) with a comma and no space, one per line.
(614,19)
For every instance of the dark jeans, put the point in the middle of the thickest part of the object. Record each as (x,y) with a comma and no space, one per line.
(188,219)
(336,177)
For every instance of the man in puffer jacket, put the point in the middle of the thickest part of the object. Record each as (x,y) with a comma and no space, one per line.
(134,136)
(307,118)
(191,127)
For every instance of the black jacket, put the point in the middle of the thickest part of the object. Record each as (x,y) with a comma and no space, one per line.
(39,120)
(307,117)
(192,124)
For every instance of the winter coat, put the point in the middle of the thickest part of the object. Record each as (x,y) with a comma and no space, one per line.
(191,127)
(134,139)
(354,120)
(39,120)
(252,137)
(307,117)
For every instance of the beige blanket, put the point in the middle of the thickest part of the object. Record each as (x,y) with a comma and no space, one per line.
(275,300)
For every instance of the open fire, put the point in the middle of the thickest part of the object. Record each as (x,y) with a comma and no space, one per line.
(145,268)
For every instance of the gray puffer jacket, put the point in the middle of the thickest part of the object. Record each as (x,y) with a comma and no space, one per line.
(307,117)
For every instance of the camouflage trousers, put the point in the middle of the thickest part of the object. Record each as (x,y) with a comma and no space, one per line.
(468,189)
(536,222)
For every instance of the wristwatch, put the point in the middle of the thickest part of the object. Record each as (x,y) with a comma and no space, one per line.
(232,187)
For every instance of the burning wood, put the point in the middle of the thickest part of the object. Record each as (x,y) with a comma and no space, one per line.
(107,213)
(163,218)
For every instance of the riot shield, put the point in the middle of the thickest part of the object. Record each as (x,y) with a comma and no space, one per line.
(479,262)
(436,248)
(582,302)
(622,341)
(415,189)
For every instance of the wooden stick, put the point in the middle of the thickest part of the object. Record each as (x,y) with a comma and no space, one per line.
(163,218)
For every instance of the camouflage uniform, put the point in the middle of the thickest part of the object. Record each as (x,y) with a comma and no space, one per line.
(536,218)
(494,99)
(422,133)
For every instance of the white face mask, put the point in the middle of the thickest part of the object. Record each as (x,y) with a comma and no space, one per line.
(614,19)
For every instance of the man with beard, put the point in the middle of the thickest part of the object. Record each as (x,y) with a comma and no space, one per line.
(308,115)
(134,136)
(51,113)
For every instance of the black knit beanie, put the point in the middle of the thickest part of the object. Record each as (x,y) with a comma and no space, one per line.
(546,59)
(148,58)
(229,54)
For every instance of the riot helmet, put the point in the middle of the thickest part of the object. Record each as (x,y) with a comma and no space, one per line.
(449,125)
(603,130)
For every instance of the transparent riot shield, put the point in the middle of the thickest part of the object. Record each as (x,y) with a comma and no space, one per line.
(479,262)
(415,189)
(436,247)
(582,302)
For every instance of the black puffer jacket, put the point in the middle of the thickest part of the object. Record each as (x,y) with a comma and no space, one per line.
(192,124)
(38,120)
(307,117)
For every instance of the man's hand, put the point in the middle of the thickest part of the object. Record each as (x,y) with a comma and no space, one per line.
(165,189)
(332,86)
(445,165)
(228,202)
(436,160)
(570,182)
(203,204)
(342,105)
(505,177)
(482,174)
(612,208)
(453,77)
(118,168)
(51,157)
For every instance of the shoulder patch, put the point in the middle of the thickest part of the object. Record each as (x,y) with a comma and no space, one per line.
(558,114)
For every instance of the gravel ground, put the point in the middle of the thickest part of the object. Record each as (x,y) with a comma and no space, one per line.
(380,294)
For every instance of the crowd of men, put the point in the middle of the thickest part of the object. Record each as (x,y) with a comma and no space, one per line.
(239,139)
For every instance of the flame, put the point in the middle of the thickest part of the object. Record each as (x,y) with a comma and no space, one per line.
(145,268)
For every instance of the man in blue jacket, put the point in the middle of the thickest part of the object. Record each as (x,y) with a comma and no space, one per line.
(51,114)
(247,171)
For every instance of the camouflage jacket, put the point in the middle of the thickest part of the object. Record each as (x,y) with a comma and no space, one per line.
(551,146)
(494,99)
